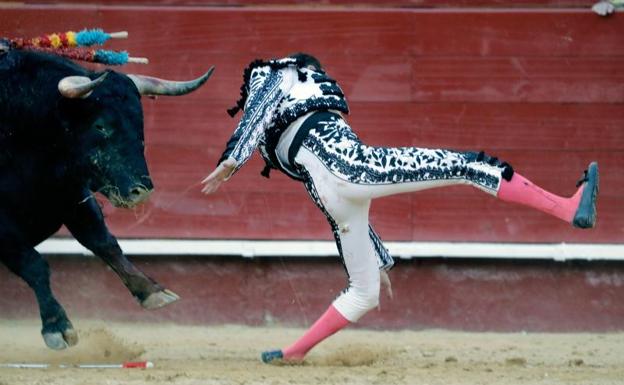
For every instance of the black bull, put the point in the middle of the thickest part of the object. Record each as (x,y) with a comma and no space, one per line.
(66,132)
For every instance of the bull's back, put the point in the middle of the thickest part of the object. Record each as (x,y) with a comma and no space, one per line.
(30,185)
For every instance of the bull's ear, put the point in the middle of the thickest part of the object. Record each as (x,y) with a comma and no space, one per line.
(79,87)
(148,85)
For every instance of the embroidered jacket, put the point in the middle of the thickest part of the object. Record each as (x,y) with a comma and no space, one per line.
(274,94)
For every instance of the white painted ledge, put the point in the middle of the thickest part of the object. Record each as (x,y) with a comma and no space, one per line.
(406,250)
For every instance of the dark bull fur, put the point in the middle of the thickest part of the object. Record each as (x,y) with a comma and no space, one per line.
(54,153)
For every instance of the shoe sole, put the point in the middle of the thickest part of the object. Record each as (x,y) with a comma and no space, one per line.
(585,216)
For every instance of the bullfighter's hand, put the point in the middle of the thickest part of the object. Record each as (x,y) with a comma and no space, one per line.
(385,283)
(219,175)
(607,7)
(603,8)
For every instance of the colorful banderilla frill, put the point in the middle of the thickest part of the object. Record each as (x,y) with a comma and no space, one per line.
(73,45)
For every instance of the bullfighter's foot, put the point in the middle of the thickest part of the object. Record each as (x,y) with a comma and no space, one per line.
(272,356)
(61,340)
(159,299)
(585,216)
(276,357)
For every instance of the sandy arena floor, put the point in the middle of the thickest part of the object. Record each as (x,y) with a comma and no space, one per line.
(229,355)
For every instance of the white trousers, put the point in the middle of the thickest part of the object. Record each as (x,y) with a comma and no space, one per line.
(343,175)
(346,205)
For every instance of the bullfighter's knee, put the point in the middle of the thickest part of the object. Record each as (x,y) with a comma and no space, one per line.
(485,172)
(482,158)
(368,297)
(357,301)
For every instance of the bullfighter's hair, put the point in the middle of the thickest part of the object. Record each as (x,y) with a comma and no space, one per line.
(74,45)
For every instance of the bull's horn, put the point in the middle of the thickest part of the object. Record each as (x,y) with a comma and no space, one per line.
(148,85)
(79,87)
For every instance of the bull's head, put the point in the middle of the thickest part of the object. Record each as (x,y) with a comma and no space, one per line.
(108,114)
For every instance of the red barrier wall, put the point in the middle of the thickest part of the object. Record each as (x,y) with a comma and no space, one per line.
(450,294)
(343,3)
(540,88)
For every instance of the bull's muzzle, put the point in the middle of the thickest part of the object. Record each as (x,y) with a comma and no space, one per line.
(135,195)
(139,194)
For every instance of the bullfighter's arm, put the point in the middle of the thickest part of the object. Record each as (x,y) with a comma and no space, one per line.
(267,89)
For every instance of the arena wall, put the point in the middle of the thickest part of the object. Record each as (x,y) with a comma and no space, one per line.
(537,85)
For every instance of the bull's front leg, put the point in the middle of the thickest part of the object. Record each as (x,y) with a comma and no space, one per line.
(57,331)
(86,223)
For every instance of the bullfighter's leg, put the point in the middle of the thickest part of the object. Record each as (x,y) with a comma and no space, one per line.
(57,331)
(86,222)
(349,222)
(366,172)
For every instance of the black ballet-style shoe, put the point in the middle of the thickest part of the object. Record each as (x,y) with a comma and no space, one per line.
(272,355)
(585,216)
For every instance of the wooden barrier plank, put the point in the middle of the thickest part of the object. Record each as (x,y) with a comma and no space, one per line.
(349,3)
(335,31)
(197,122)
(529,80)
(180,167)
(219,30)
(388,78)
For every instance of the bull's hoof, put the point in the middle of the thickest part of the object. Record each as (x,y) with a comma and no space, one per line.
(159,299)
(61,340)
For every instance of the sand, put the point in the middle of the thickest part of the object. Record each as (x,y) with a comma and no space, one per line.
(230,355)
